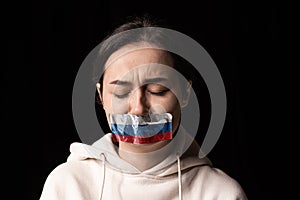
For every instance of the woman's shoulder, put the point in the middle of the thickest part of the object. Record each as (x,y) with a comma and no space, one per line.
(216,181)
(63,180)
(73,168)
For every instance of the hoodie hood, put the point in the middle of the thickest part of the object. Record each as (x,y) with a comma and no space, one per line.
(162,162)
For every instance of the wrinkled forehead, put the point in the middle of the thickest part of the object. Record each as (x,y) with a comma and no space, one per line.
(139,63)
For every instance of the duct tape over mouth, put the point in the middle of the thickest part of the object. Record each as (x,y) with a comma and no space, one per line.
(141,129)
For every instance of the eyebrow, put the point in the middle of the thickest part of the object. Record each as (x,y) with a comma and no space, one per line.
(118,82)
(147,81)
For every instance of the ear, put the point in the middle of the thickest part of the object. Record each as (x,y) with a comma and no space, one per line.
(98,86)
(186,94)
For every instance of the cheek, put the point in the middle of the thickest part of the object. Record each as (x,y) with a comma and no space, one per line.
(170,102)
(114,105)
(170,105)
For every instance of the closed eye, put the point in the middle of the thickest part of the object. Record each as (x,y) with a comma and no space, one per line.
(122,96)
(158,93)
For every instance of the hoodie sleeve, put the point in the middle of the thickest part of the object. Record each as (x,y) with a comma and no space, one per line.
(227,187)
(235,192)
(73,180)
(59,185)
(64,182)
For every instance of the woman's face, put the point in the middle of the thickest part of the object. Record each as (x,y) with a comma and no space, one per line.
(141,81)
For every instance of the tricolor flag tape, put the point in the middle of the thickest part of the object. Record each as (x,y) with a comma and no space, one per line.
(141,129)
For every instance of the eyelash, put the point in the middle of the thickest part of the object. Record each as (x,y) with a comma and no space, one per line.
(121,96)
(160,93)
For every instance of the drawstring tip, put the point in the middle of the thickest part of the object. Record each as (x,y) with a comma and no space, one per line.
(179,177)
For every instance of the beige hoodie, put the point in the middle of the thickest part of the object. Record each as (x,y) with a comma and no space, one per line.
(94,172)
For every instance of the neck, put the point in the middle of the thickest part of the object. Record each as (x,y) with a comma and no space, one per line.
(143,156)
(141,148)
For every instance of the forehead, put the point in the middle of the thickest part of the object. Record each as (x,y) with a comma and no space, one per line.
(138,62)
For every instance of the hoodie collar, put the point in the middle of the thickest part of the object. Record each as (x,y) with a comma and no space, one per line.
(160,162)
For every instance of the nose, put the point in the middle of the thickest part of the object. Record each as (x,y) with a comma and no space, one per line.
(138,104)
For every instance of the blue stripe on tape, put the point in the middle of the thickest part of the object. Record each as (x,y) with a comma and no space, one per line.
(144,130)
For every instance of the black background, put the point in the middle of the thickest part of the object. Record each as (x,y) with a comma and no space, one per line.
(254,45)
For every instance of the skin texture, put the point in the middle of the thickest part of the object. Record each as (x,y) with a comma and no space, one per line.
(139,81)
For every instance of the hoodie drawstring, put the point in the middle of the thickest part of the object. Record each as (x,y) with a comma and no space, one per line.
(103,174)
(178,169)
(179,178)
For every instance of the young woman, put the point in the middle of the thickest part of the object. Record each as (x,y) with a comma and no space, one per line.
(148,154)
